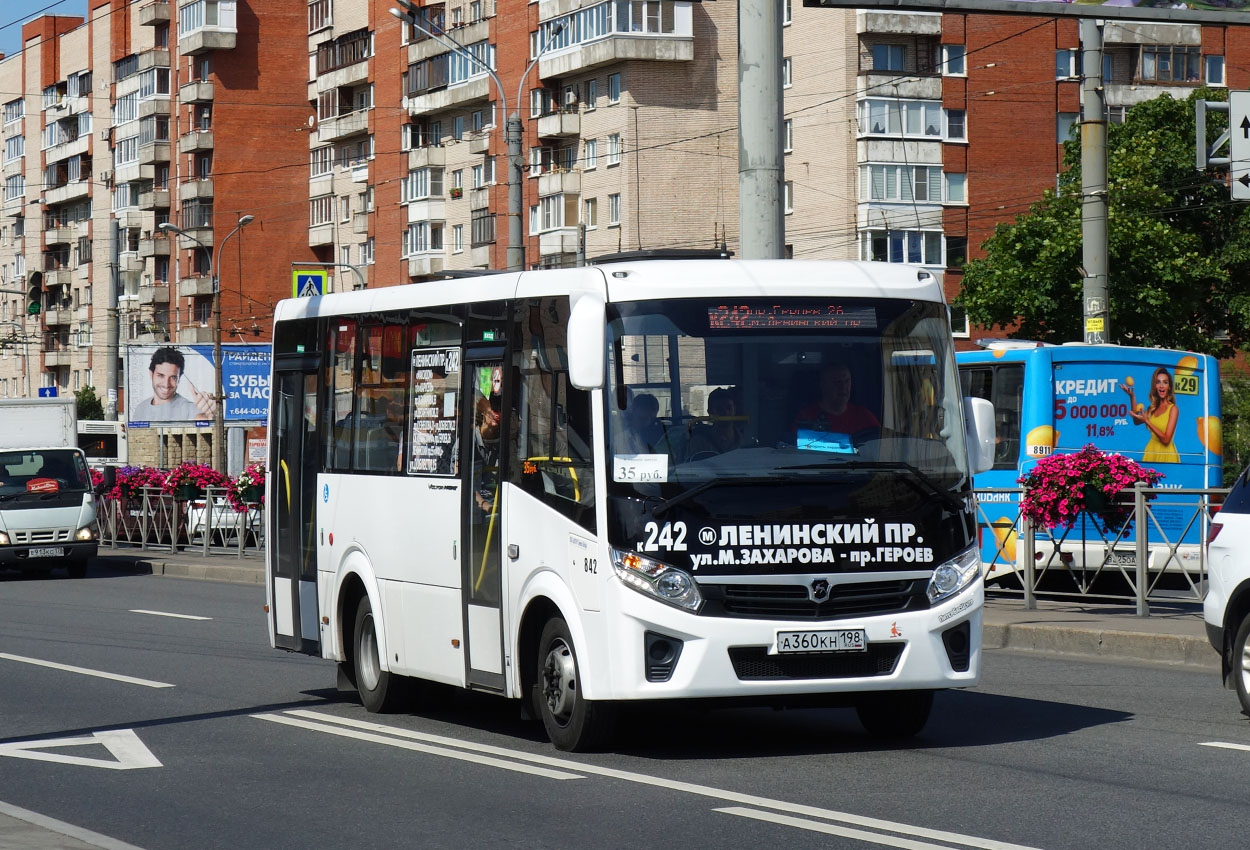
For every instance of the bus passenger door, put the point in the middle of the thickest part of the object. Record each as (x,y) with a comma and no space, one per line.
(483,426)
(292,510)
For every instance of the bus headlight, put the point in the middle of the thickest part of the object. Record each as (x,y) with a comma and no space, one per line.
(665,583)
(4,539)
(87,532)
(953,576)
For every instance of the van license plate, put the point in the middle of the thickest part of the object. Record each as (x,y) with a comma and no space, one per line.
(839,640)
(48,552)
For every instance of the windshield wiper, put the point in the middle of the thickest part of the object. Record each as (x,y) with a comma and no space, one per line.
(664,506)
(916,478)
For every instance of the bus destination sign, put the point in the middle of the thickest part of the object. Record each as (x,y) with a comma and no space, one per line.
(791,316)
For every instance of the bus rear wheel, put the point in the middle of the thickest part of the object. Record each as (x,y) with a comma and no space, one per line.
(573,723)
(895,714)
(380,691)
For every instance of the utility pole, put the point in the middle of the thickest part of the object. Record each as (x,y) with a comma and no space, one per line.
(761,221)
(1094,205)
(112,332)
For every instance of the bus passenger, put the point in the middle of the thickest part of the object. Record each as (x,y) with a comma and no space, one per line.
(642,429)
(724,434)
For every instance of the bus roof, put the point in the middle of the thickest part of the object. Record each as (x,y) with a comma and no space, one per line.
(1075,353)
(643,279)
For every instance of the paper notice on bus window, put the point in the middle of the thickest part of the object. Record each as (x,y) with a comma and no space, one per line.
(640,469)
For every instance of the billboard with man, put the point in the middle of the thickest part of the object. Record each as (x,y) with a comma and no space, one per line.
(174,384)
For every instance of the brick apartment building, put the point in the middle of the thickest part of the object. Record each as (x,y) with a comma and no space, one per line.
(378,152)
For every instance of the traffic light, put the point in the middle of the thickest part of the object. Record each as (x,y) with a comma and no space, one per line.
(34,295)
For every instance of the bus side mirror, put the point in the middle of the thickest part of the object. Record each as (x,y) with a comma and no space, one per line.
(586,343)
(979,431)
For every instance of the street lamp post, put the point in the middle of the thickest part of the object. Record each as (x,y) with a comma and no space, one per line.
(411,14)
(219,398)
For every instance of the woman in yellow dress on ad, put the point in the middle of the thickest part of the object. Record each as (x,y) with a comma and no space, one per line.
(1160,418)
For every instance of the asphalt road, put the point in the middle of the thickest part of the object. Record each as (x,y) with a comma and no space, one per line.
(212,740)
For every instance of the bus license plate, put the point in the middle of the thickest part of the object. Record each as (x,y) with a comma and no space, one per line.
(47,552)
(840,640)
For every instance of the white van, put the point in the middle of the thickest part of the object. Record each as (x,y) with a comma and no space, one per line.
(1226,608)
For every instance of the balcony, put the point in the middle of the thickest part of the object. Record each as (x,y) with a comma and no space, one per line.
(199,91)
(194,334)
(58,277)
(153,153)
(560,241)
(158,294)
(154,247)
(157,57)
(560,183)
(130,261)
(420,265)
(129,218)
(427,156)
(560,125)
(187,243)
(427,209)
(192,189)
(158,105)
(479,142)
(57,357)
(68,192)
(898,23)
(320,234)
(157,199)
(73,147)
(883,84)
(360,223)
(636,40)
(63,234)
(479,198)
(351,75)
(205,25)
(154,13)
(424,48)
(344,125)
(190,287)
(462,94)
(196,140)
(57,316)
(479,256)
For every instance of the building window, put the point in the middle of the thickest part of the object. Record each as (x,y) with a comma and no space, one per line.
(591,159)
(321,210)
(954,60)
(788,199)
(920,118)
(956,130)
(1214,70)
(956,251)
(591,99)
(322,160)
(614,149)
(788,130)
(889,57)
(614,88)
(787,13)
(482,228)
(902,246)
(787,68)
(614,209)
(901,183)
(1065,123)
(590,213)
(457,238)
(956,188)
(1167,63)
(1067,64)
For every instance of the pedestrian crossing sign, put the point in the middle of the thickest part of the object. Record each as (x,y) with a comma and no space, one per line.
(306,284)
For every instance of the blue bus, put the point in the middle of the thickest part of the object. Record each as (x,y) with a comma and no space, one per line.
(1158,407)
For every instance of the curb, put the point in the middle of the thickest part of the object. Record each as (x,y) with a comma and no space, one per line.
(1108,644)
(208,572)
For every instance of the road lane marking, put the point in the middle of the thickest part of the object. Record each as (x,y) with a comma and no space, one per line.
(391,741)
(668,784)
(1224,745)
(832,829)
(95,839)
(116,677)
(168,614)
(129,753)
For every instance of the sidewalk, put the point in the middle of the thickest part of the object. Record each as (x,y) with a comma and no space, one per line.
(1172,634)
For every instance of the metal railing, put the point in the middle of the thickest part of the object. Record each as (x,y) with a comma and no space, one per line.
(1142,557)
(208,524)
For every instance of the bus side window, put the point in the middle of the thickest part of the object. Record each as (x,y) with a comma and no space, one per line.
(555,460)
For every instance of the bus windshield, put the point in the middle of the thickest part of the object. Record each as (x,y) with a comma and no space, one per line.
(851,405)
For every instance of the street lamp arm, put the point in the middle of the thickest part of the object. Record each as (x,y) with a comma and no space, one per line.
(520,88)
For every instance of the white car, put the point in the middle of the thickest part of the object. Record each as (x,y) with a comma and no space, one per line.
(1226,608)
(225,521)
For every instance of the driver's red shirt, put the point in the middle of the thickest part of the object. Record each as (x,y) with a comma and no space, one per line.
(854,418)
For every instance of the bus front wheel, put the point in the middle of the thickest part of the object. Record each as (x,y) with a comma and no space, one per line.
(895,714)
(380,691)
(573,723)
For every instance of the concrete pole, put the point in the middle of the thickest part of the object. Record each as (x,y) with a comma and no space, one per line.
(1094,206)
(516,181)
(112,333)
(761,223)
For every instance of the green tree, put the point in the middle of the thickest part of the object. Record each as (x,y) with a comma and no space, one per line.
(1178,248)
(1235,421)
(89,407)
